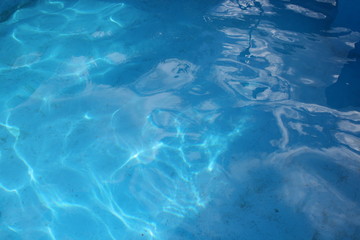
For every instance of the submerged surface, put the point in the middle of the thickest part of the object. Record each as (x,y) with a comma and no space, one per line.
(179,119)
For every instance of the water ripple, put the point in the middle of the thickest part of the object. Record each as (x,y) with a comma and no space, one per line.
(125,120)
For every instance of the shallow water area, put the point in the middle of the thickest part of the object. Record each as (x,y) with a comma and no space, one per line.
(179,120)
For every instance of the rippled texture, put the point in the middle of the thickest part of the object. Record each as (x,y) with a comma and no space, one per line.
(179,119)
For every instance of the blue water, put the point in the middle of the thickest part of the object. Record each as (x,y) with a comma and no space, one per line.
(218,119)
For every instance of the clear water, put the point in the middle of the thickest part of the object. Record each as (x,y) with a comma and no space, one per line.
(179,119)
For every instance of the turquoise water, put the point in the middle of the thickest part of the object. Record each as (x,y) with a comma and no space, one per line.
(217,119)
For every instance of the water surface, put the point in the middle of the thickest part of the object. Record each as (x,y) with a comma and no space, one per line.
(179,120)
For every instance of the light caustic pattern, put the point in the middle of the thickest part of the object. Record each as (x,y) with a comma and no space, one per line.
(81,159)
(182,120)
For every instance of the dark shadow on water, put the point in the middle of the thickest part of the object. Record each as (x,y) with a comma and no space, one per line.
(346,91)
(9,7)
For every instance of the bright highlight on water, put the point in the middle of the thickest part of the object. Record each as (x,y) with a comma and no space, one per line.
(219,119)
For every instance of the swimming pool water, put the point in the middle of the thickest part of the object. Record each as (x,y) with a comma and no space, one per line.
(216,119)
